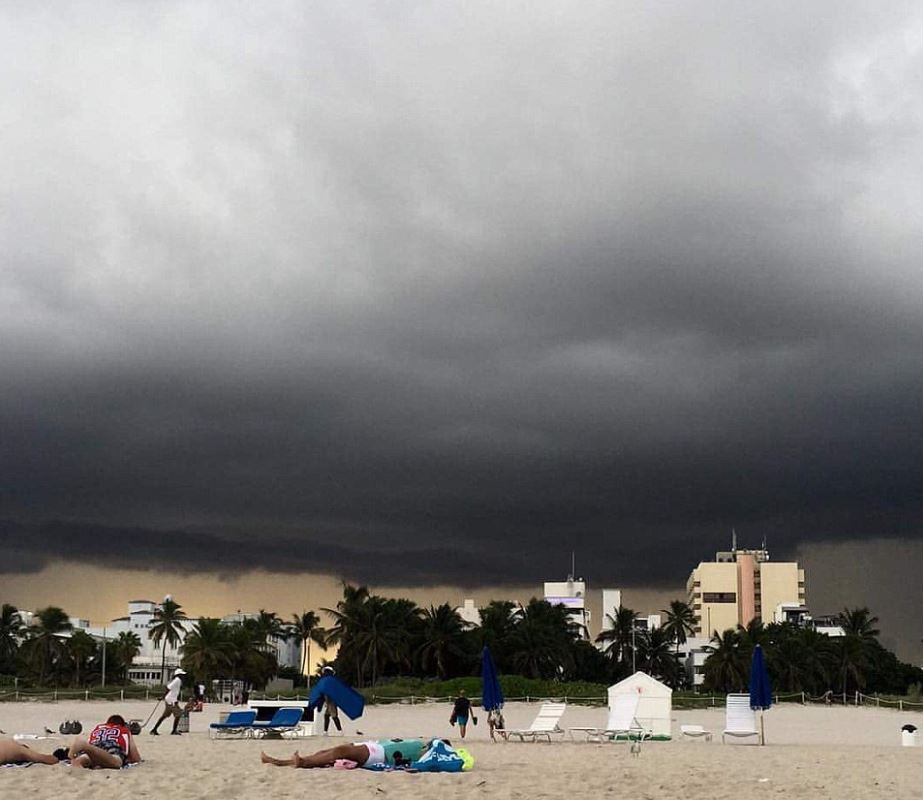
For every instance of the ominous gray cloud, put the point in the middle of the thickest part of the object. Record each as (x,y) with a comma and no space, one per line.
(427,289)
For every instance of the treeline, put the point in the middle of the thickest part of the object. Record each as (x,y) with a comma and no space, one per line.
(380,639)
(803,660)
(51,653)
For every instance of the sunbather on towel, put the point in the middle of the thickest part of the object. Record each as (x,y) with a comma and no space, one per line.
(388,752)
(15,753)
(110,745)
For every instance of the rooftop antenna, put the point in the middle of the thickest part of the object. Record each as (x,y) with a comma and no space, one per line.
(733,540)
(573,566)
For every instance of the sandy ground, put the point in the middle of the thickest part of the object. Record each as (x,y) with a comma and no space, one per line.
(813,752)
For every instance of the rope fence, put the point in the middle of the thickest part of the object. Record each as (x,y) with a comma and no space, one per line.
(855,699)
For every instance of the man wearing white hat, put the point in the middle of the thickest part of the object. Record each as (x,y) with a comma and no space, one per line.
(171,703)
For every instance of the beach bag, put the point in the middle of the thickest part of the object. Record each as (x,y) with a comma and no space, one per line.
(467,759)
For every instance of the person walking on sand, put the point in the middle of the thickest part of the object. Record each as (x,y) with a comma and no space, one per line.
(171,703)
(110,745)
(460,713)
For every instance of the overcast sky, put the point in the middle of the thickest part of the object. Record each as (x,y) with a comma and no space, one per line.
(436,293)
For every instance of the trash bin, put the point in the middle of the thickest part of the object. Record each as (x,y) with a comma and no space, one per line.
(909,735)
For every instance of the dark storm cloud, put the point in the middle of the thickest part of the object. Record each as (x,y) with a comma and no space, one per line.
(434,294)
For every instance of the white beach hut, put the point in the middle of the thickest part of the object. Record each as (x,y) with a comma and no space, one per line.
(655,702)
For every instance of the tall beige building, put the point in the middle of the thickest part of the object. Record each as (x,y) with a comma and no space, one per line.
(739,586)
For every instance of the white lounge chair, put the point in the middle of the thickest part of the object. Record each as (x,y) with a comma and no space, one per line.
(545,723)
(740,721)
(622,723)
(695,732)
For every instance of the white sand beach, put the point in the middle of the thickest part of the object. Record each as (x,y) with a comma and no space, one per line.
(812,752)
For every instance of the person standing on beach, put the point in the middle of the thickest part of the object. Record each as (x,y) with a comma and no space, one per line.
(171,703)
(460,713)
(331,712)
(496,724)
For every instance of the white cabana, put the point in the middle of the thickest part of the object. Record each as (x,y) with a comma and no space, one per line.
(655,702)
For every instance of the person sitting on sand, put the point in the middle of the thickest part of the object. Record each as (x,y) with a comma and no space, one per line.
(110,745)
(15,753)
(388,752)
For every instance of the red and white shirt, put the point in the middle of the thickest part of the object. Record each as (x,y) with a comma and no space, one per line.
(109,734)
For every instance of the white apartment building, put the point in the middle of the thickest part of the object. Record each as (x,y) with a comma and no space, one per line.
(469,612)
(572,595)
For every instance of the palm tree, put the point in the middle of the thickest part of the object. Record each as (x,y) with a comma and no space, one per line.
(403,619)
(543,640)
(348,618)
(270,627)
(852,662)
(124,649)
(306,627)
(498,621)
(45,643)
(859,622)
(656,656)
(443,637)
(12,631)
(618,636)
(374,639)
(680,622)
(726,668)
(207,650)
(167,628)
(251,660)
(80,646)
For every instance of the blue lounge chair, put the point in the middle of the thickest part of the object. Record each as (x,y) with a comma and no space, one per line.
(238,723)
(285,720)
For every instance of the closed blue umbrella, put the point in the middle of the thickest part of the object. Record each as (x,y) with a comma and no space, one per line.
(348,699)
(491,693)
(760,688)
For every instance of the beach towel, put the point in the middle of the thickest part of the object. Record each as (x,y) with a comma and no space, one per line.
(440,757)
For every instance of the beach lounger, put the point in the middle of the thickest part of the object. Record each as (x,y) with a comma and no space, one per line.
(237,724)
(285,720)
(695,732)
(622,723)
(740,721)
(545,724)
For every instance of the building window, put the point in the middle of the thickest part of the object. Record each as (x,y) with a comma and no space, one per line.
(719,597)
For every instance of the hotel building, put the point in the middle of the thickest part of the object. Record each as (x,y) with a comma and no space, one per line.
(740,586)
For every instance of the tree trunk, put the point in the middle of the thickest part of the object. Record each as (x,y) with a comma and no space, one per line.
(163,665)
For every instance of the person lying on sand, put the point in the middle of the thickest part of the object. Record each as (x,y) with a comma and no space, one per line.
(110,745)
(390,752)
(15,753)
